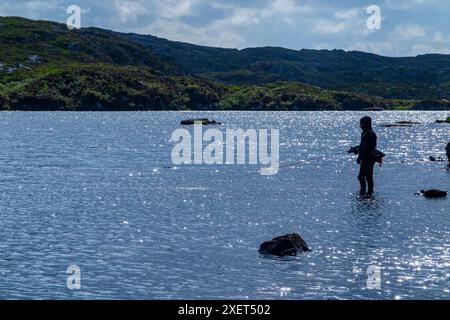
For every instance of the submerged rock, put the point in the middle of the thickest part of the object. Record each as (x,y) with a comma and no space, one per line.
(287,245)
(204,122)
(438,159)
(407,122)
(395,125)
(433,194)
(399,124)
(444,121)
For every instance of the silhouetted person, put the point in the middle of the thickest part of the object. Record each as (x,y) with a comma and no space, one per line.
(366,157)
(447,149)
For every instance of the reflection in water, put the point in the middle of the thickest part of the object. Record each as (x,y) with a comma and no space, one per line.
(368,207)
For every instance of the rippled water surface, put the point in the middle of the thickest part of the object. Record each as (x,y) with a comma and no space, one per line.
(99,190)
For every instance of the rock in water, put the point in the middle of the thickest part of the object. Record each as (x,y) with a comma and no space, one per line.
(204,122)
(287,245)
(407,122)
(434,194)
(432,159)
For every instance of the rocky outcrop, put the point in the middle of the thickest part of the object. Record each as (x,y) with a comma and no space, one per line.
(399,124)
(407,122)
(438,159)
(204,122)
(287,245)
(433,194)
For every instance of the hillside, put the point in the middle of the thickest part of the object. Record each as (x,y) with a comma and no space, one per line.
(44,66)
(421,77)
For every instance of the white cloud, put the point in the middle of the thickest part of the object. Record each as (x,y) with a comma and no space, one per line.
(408,32)
(422,48)
(288,7)
(347,14)
(242,23)
(327,27)
(241,15)
(378,47)
(225,31)
(211,35)
(405,4)
(289,22)
(438,37)
(129,10)
(33,9)
(175,8)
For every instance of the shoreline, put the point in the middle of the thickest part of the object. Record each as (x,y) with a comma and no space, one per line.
(215,111)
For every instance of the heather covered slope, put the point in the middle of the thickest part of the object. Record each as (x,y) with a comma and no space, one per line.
(44,66)
(421,77)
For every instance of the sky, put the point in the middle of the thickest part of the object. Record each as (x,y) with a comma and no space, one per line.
(407,27)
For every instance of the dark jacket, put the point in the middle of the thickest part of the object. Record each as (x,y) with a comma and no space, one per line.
(367,146)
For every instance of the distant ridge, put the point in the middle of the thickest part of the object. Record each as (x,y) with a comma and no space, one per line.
(44,66)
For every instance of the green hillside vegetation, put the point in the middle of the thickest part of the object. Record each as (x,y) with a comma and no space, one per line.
(107,87)
(44,66)
(421,77)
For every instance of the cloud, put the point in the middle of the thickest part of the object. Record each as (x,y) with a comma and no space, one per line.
(438,37)
(213,35)
(408,32)
(129,10)
(422,48)
(409,26)
(327,27)
(378,47)
(405,4)
(34,8)
(350,21)
(227,30)
(175,8)
(348,14)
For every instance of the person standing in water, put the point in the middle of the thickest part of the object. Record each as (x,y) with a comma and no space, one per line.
(366,156)
(447,149)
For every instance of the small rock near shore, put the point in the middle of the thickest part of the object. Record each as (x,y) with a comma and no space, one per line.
(287,245)
(204,122)
(433,194)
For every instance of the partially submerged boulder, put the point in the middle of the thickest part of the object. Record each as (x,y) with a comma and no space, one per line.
(399,124)
(433,194)
(204,122)
(407,122)
(287,245)
(438,159)
(444,121)
(395,125)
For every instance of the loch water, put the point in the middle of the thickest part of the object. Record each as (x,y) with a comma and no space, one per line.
(99,191)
